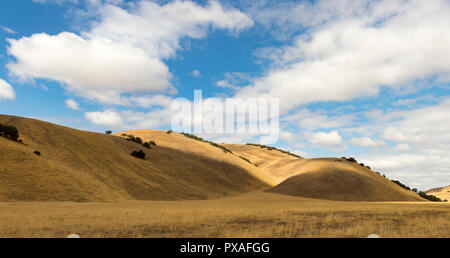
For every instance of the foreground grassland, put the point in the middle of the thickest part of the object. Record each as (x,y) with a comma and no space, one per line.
(250,215)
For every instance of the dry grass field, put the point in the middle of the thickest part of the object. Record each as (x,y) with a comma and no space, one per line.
(88,184)
(250,215)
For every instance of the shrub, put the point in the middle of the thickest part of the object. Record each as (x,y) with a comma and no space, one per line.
(169,132)
(273,148)
(138,154)
(351,159)
(134,139)
(9,132)
(414,190)
(401,185)
(244,158)
(108,132)
(429,197)
(368,167)
(37,153)
(152,143)
(146,145)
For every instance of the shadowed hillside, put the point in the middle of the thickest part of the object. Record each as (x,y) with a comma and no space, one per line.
(442,192)
(83,166)
(325,178)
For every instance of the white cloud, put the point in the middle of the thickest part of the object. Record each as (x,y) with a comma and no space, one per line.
(367,142)
(312,120)
(55,1)
(402,147)
(352,49)
(72,104)
(123,51)
(422,140)
(331,139)
(106,118)
(7,30)
(196,73)
(6,91)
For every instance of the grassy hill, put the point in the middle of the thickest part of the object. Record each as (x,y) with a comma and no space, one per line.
(323,178)
(84,166)
(442,192)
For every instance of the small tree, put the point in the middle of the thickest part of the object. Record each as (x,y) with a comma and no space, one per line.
(108,132)
(414,190)
(138,154)
(9,132)
(37,153)
(146,145)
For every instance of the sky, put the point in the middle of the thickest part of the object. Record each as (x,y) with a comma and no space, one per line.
(364,79)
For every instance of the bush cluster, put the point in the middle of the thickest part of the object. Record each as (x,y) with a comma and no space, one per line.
(244,158)
(138,154)
(138,140)
(9,132)
(401,185)
(273,148)
(202,140)
(430,197)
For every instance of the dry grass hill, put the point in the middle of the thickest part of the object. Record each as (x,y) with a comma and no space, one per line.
(84,166)
(442,192)
(323,178)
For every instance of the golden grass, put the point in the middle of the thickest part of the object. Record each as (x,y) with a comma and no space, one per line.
(443,193)
(250,215)
(83,166)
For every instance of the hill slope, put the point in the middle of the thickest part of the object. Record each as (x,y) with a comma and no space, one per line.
(325,178)
(84,166)
(442,192)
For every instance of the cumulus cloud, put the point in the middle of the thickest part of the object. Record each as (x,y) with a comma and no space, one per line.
(420,139)
(6,91)
(128,119)
(353,49)
(331,139)
(123,51)
(367,142)
(105,118)
(196,73)
(72,104)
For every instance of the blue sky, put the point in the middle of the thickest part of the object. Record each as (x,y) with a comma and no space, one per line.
(368,79)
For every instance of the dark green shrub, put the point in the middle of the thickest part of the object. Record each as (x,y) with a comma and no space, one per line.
(152,143)
(401,185)
(108,132)
(273,148)
(244,158)
(351,159)
(138,154)
(429,197)
(414,190)
(37,153)
(147,145)
(169,132)
(9,132)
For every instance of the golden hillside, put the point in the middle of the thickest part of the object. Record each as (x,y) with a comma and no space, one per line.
(84,166)
(323,178)
(442,192)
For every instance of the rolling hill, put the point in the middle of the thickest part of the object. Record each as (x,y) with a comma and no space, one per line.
(323,178)
(84,166)
(442,192)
